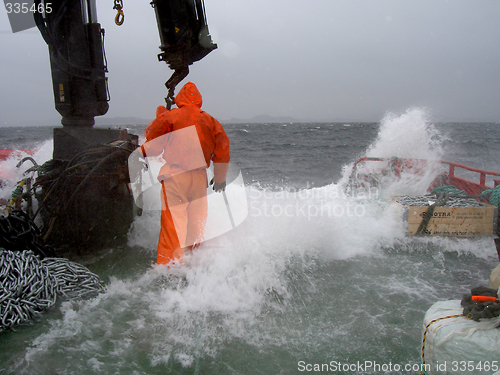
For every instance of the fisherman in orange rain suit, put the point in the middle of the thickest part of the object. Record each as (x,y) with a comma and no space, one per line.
(184,189)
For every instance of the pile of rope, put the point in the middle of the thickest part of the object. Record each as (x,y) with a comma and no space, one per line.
(481,303)
(19,232)
(65,185)
(31,285)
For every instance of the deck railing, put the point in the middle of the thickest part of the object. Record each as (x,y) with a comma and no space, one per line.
(482,173)
(470,186)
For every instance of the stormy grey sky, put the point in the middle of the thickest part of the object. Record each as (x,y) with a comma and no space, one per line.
(316,60)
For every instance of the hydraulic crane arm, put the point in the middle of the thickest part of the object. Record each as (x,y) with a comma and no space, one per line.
(77,58)
(184,37)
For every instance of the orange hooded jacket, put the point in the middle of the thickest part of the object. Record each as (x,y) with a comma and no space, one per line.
(213,139)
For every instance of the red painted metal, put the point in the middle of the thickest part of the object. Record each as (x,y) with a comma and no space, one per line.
(5,153)
(482,173)
(470,187)
(446,178)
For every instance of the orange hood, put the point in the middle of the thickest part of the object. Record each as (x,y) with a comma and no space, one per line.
(189,96)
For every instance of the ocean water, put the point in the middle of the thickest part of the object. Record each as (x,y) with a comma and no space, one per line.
(315,280)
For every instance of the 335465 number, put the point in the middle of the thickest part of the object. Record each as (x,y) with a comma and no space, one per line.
(17,8)
(469,366)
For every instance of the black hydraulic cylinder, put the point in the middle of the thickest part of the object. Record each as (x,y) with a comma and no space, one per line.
(183,32)
(76,60)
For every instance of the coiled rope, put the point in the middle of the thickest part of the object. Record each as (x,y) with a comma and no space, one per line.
(19,232)
(494,195)
(62,184)
(31,285)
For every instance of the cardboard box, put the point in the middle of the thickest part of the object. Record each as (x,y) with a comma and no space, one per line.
(454,221)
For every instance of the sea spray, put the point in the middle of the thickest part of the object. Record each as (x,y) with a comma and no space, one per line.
(410,149)
(408,135)
(303,284)
(11,174)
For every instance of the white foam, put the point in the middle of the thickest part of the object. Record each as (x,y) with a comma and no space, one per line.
(231,287)
(42,153)
(408,135)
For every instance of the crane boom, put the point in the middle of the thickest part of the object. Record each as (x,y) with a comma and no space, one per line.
(77,58)
(84,189)
(184,37)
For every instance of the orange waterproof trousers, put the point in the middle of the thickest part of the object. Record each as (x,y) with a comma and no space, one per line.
(183,215)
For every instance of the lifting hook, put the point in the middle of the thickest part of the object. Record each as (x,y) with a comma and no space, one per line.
(120,17)
(178,75)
